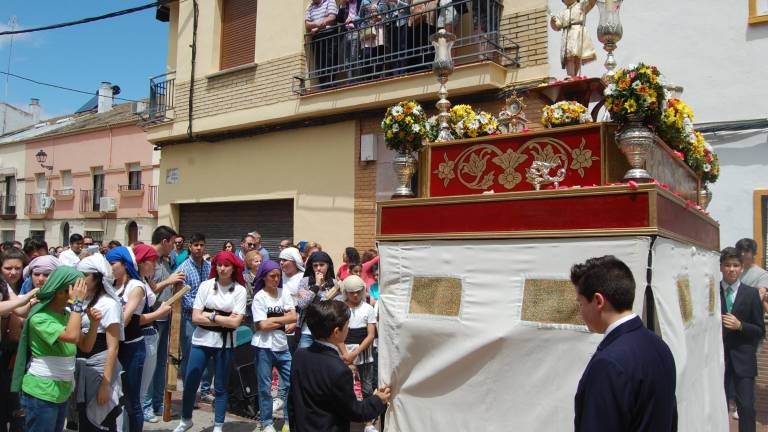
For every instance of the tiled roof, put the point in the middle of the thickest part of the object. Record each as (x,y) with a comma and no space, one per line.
(120,114)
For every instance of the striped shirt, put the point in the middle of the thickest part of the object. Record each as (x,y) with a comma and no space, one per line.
(321,11)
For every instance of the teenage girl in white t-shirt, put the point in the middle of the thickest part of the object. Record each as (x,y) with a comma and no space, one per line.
(218,310)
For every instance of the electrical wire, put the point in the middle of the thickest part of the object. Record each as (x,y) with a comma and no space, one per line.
(61,87)
(91,19)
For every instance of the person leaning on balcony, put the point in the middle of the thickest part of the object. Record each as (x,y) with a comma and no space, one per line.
(371,38)
(319,21)
(349,18)
(421,25)
(395,14)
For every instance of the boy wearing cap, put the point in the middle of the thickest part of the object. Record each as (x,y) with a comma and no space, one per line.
(362,330)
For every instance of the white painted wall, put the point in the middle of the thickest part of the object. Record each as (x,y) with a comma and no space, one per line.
(709,49)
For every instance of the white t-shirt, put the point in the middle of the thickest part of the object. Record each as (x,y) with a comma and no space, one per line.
(125,294)
(292,283)
(69,258)
(220,300)
(360,317)
(265,306)
(112,312)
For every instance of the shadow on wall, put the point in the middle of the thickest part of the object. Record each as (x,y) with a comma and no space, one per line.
(741,148)
(756,32)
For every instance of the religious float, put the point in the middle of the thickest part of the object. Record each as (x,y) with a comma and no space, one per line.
(479,324)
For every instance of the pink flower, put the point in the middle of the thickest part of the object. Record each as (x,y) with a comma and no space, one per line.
(632,184)
(632,75)
(679,155)
(664,185)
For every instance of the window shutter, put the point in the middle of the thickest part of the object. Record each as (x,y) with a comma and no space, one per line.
(238,33)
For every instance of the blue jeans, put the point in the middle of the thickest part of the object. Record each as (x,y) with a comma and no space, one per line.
(154,397)
(150,361)
(43,416)
(265,360)
(199,356)
(132,356)
(187,328)
(306,340)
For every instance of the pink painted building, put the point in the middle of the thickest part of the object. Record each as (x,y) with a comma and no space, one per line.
(95,175)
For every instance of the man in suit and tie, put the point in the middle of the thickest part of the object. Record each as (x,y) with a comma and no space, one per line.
(629,384)
(743,328)
(322,398)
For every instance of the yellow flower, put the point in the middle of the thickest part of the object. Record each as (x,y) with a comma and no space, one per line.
(624,84)
(408,121)
(643,89)
(631,106)
(389,134)
(399,117)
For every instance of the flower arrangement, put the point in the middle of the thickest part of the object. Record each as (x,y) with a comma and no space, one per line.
(475,125)
(432,125)
(675,127)
(564,113)
(404,127)
(636,91)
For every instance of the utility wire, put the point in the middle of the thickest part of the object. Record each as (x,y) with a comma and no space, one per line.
(88,20)
(62,87)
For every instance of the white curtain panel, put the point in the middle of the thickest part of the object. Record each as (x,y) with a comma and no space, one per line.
(486,367)
(694,336)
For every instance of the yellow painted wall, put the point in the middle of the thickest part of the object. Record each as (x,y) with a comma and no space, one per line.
(279,29)
(312,165)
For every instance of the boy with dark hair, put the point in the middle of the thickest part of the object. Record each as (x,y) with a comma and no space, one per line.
(629,384)
(71,256)
(743,328)
(322,398)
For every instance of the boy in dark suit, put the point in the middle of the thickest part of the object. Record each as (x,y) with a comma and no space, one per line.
(321,395)
(743,328)
(629,384)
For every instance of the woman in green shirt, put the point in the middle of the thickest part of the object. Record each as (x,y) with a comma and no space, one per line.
(45,363)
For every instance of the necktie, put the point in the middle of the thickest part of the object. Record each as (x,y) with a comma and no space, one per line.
(729,299)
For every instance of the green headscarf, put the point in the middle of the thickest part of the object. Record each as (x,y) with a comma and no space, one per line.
(59,279)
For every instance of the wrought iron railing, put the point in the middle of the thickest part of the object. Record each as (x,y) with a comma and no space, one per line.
(37,203)
(152,206)
(130,187)
(90,200)
(161,92)
(8,205)
(392,42)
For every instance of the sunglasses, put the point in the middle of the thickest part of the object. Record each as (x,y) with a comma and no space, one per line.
(251,244)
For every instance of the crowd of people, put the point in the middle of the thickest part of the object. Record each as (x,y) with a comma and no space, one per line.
(355,40)
(85,329)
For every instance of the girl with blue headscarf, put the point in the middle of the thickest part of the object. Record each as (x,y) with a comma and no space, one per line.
(130,273)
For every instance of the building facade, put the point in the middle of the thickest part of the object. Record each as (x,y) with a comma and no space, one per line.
(263,130)
(92,173)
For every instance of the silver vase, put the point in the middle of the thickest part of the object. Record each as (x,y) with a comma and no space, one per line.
(705,197)
(405,167)
(635,140)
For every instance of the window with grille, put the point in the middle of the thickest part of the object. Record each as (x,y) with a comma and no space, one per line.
(238,33)
(8,235)
(37,235)
(97,236)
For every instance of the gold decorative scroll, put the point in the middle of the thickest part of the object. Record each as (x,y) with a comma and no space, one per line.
(471,166)
(550,301)
(684,295)
(435,296)
(712,288)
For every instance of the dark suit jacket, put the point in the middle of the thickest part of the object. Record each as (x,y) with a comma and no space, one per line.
(741,346)
(629,384)
(321,396)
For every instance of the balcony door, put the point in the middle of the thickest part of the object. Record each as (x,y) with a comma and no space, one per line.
(98,187)
(9,204)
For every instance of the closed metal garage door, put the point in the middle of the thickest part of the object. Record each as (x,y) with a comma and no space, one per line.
(220,222)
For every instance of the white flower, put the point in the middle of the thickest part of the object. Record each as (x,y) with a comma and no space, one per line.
(395,127)
(707,167)
(474,124)
(608,90)
(667,95)
(415,128)
(631,66)
(397,110)
(708,147)
(636,84)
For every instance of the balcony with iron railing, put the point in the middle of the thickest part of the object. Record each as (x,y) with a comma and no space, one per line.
(153,195)
(161,93)
(37,205)
(90,202)
(66,194)
(393,43)
(7,206)
(130,190)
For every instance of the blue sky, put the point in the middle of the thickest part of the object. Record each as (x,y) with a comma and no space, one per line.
(126,51)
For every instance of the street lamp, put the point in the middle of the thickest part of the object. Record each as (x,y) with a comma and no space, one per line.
(41,157)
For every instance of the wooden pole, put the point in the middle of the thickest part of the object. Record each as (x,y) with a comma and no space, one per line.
(174,352)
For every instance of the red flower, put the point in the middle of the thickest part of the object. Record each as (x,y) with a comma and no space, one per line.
(632,184)
(679,155)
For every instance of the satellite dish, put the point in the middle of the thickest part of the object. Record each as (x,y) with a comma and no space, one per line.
(115,90)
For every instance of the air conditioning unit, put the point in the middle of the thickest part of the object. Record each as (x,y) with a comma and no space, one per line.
(138,107)
(46,202)
(107,204)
